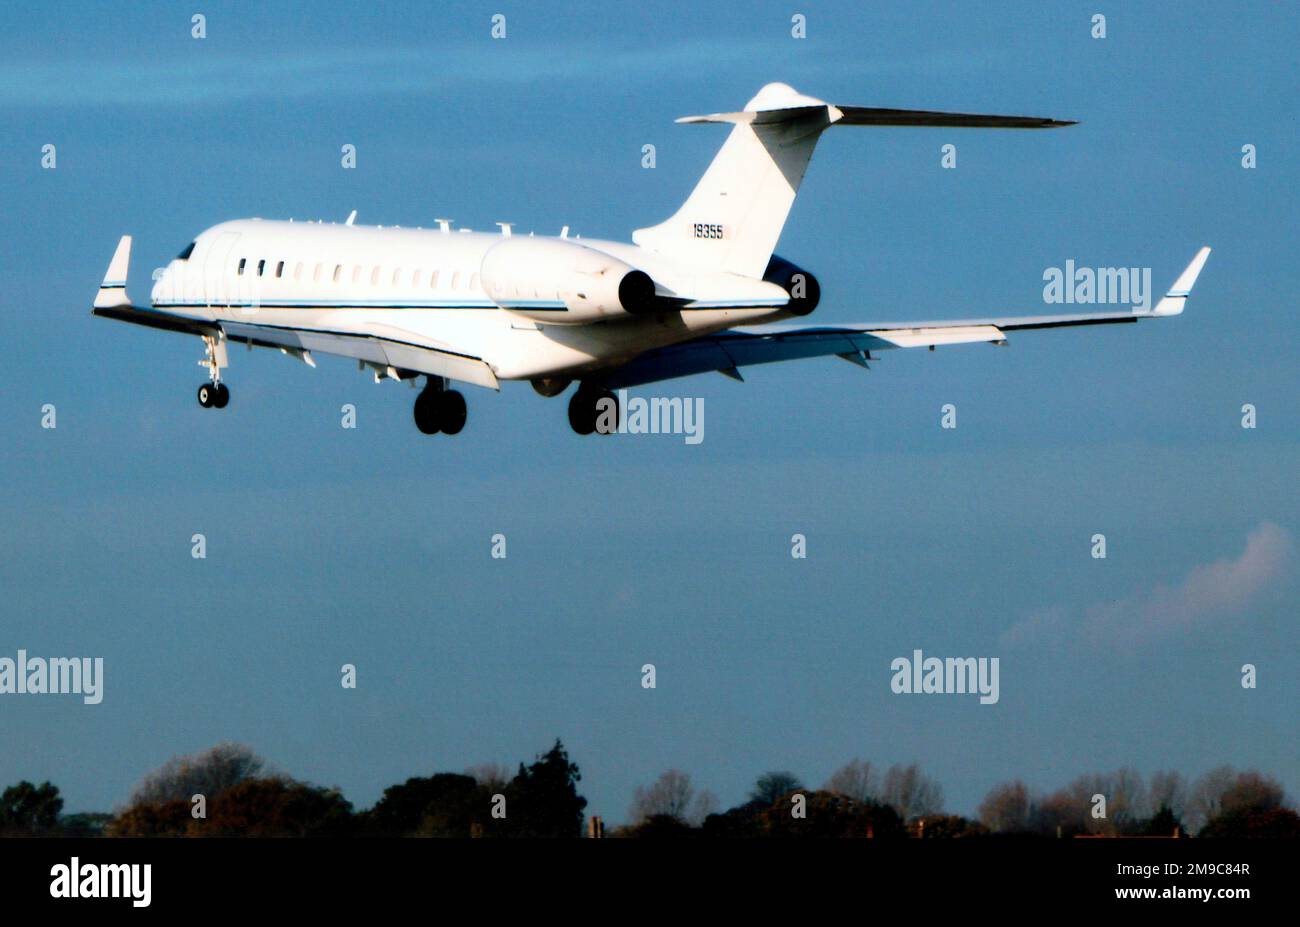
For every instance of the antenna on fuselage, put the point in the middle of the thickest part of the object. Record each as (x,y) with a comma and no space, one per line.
(352,216)
(505,228)
(564,232)
(445,225)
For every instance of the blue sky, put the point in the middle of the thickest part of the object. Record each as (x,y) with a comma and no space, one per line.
(328,546)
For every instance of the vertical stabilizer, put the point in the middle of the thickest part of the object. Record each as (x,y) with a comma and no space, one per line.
(733,218)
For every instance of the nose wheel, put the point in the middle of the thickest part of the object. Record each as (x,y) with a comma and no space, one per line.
(214,395)
(438,409)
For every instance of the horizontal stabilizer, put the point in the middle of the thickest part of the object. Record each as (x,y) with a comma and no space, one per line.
(870,116)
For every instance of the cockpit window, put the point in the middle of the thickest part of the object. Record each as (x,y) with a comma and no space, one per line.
(185,255)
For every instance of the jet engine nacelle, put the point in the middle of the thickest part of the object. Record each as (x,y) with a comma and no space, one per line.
(564,282)
(805,292)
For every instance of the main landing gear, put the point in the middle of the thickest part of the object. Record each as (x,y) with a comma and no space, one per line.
(593,408)
(439,409)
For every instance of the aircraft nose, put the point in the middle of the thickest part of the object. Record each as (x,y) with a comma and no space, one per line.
(164,284)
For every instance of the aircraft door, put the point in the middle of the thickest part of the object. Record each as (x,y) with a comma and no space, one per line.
(218,272)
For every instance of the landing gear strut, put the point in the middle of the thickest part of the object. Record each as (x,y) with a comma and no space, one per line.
(214,395)
(439,409)
(593,408)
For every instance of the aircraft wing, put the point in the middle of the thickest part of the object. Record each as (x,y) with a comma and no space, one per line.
(383,350)
(728,351)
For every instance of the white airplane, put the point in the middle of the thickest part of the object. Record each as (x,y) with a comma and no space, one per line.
(480,308)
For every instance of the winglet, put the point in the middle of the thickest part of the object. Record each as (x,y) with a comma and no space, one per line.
(112,292)
(1173,302)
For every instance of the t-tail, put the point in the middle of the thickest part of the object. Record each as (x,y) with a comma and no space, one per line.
(733,218)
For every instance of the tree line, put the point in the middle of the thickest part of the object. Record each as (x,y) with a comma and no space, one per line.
(229,790)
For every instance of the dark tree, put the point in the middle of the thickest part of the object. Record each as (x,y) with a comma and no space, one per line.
(1252,791)
(826,814)
(911,792)
(948,826)
(442,805)
(772,786)
(542,800)
(741,821)
(278,808)
(208,773)
(660,825)
(1254,822)
(85,824)
(29,809)
(155,819)
(1164,823)
(1006,808)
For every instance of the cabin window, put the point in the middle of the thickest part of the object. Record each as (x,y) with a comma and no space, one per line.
(473,281)
(316,273)
(297,271)
(415,277)
(433,279)
(374,275)
(338,272)
(455,280)
(242,262)
(185,255)
(397,276)
(279,270)
(356,273)
(261,267)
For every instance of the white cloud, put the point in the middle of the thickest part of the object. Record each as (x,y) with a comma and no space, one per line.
(1210,593)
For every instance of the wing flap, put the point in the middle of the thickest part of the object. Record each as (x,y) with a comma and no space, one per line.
(374,350)
(948,334)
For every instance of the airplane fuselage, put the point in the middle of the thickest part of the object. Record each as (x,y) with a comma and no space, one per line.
(428,287)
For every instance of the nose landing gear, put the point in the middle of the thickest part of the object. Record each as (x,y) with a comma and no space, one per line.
(214,395)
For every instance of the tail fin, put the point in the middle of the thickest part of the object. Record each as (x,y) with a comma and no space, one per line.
(733,218)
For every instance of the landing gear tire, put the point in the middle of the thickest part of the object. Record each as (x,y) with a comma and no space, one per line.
(452,412)
(440,410)
(588,414)
(214,395)
(426,412)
